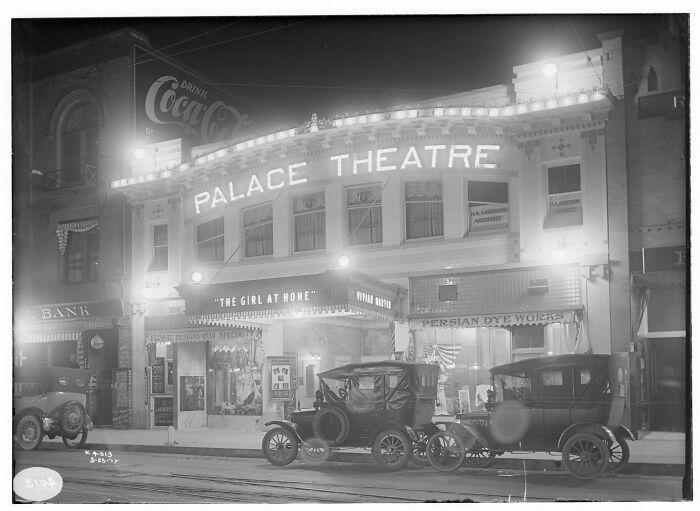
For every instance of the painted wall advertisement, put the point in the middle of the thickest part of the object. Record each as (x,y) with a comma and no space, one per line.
(174,103)
(283,377)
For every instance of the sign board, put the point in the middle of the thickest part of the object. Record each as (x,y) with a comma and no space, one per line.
(488,217)
(283,377)
(163,411)
(158,376)
(77,310)
(174,103)
(122,388)
(494,320)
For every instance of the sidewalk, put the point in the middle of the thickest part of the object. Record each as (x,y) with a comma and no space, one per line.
(656,452)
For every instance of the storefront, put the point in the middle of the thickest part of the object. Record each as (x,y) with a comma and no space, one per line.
(248,352)
(80,335)
(534,312)
(661,341)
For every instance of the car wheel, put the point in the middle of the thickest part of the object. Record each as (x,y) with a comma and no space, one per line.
(392,449)
(619,455)
(585,456)
(445,451)
(420,454)
(280,446)
(332,425)
(75,442)
(315,451)
(72,419)
(29,433)
(479,457)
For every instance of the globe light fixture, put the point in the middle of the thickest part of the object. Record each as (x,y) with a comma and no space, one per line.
(343,261)
(196,277)
(147,292)
(139,153)
(550,69)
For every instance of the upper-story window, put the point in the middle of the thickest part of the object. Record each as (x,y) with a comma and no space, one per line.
(210,241)
(79,245)
(364,205)
(257,230)
(424,210)
(309,222)
(564,196)
(78,148)
(652,80)
(488,206)
(160,247)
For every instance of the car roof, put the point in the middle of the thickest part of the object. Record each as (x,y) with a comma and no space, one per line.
(522,367)
(373,368)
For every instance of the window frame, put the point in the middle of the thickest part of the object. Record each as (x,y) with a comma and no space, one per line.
(84,136)
(214,238)
(507,226)
(377,206)
(406,202)
(253,227)
(154,248)
(91,245)
(294,216)
(549,196)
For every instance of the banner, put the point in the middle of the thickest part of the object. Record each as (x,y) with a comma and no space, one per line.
(174,103)
(495,320)
(489,217)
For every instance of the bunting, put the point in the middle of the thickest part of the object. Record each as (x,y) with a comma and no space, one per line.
(78,226)
(444,355)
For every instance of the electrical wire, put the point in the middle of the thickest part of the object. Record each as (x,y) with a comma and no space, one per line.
(200,35)
(588,58)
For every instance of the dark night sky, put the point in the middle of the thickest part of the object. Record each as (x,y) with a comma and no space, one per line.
(285,69)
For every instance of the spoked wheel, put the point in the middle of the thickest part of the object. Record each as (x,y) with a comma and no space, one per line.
(619,455)
(445,451)
(332,425)
(585,456)
(420,454)
(315,451)
(392,449)
(479,457)
(76,442)
(280,446)
(72,418)
(29,433)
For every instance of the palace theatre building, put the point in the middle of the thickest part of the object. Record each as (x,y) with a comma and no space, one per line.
(469,230)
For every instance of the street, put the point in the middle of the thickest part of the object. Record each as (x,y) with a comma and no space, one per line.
(168,478)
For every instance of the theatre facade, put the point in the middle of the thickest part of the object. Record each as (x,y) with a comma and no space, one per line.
(470,231)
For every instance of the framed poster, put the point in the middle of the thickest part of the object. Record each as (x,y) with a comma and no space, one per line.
(283,377)
(191,393)
(158,376)
(163,411)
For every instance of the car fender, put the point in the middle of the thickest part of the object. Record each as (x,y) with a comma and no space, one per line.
(56,412)
(586,427)
(38,412)
(624,432)
(462,430)
(429,429)
(88,423)
(288,425)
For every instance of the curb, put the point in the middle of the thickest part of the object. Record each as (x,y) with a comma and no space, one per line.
(511,464)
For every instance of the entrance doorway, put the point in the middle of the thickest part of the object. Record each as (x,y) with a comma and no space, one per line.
(102,358)
(666,370)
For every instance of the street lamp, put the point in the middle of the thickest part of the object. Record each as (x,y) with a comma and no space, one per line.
(196,277)
(343,261)
(551,70)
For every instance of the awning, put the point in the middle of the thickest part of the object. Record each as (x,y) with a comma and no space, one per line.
(333,293)
(494,320)
(38,337)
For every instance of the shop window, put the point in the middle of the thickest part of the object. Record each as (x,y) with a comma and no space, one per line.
(64,354)
(210,241)
(160,247)
(424,209)
(33,355)
(78,146)
(527,341)
(488,206)
(191,393)
(237,385)
(564,196)
(81,257)
(364,204)
(309,222)
(257,230)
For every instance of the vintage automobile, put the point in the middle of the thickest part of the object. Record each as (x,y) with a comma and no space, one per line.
(385,406)
(570,404)
(50,401)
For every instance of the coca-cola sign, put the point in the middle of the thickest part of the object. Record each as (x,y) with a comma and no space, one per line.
(173,103)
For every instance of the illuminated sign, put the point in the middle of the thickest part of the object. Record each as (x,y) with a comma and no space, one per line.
(286,297)
(83,310)
(372,299)
(388,159)
(494,320)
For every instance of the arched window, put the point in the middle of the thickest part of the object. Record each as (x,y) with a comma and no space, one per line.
(652,81)
(78,145)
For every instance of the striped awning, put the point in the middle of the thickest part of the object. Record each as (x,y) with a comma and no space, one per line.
(38,337)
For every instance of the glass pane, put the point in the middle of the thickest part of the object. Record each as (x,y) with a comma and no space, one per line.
(210,229)
(310,231)
(364,196)
(487,192)
(564,179)
(364,225)
(258,241)
(423,220)
(311,202)
(160,235)
(256,215)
